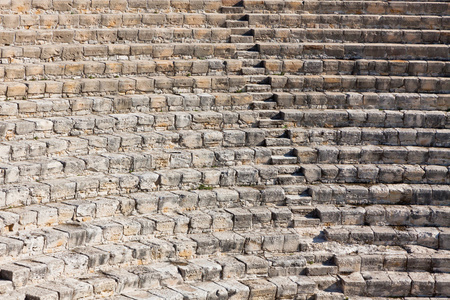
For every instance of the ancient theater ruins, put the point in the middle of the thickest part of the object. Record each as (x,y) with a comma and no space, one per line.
(224,149)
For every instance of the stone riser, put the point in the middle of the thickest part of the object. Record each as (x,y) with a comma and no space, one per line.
(360,7)
(57,52)
(387,215)
(229,84)
(56,107)
(149,35)
(193,20)
(422,236)
(215,67)
(15,173)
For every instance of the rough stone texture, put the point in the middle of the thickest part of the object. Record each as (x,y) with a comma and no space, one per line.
(224,149)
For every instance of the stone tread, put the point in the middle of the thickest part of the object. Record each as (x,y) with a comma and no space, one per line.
(198,19)
(145,103)
(215,66)
(47,53)
(145,35)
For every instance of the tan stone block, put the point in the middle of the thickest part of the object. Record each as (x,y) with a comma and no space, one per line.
(48,21)
(292,66)
(145,84)
(126,85)
(146,67)
(233,65)
(14,72)
(36,87)
(54,87)
(74,69)
(16,90)
(72,87)
(202,82)
(21,6)
(273,66)
(90,85)
(34,70)
(194,19)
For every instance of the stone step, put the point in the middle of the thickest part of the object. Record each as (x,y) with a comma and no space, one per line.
(235,24)
(372,136)
(247,55)
(232,9)
(349,7)
(195,19)
(277,142)
(258,88)
(277,287)
(191,251)
(282,160)
(383,173)
(372,154)
(382,7)
(268,104)
(303,210)
(398,36)
(176,206)
(300,221)
(434,261)
(343,20)
(369,124)
(232,83)
(306,50)
(352,51)
(214,67)
(432,237)
(371,118)
(54,107)
(128,6)
(147,35)
(389,215)
(361,194)
(253,71)
(241,39)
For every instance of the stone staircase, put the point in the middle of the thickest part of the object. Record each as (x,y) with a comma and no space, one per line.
(224,149)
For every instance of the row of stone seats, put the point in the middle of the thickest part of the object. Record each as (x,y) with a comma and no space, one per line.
(378,215)
(371,154)
(337,20)
(210,218)
(232,83)
(396,261)
(363,194)
(369,136)
(86,259)
(276,20)
(287,170)
(210,272)
(195,238)
(174,204)
(54,107)
(59,149)
(214,67)
(249,137)
(372,118)
(371,173)
(160,35)
(95,185)
(431,237)
(349,7)
(48,53)
(300,287)
(381,7)
(141,122)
